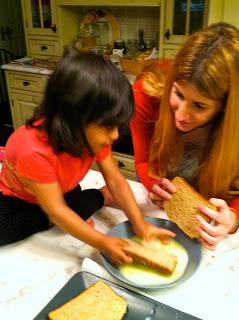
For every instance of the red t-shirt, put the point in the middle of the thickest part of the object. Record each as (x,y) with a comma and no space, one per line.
(29,155)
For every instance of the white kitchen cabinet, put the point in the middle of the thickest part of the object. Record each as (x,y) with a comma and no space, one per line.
(179,19)
(22,107)
(25,91)
(41,28)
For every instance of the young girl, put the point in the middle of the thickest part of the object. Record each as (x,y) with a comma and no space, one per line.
(189,127)
(87,98)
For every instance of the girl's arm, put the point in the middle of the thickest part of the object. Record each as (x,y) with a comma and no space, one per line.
(125,199)
(52,202)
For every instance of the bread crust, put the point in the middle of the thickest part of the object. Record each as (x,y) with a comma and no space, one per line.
(182,208)
(161,260)
(99,301)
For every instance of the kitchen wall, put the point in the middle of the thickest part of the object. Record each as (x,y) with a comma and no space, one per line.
(131,19)
(224,10)
(231,12)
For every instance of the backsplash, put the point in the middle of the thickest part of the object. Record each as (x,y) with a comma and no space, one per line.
(131,19)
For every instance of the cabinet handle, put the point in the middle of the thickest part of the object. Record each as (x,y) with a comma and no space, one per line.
(167,34)
(44,47)
(26,83)
(53,28)
(121,164)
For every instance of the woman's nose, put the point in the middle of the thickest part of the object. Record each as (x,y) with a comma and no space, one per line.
(182,111)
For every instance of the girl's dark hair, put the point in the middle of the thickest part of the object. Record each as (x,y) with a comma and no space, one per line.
(84,88)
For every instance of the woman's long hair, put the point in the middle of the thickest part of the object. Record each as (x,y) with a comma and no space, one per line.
(84,88)
(210,61)
(153,77)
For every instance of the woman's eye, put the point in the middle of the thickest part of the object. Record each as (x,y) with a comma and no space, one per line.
(198,106)
(178,94)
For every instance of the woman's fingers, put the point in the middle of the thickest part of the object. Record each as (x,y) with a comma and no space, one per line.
(219,203)
(163,189)
(208,246)
(161,193)
(166,185)
(214,215)
(156,200)
(204,225)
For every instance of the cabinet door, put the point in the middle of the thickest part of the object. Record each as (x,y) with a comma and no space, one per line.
(22,107)
(40,17)
(180,19)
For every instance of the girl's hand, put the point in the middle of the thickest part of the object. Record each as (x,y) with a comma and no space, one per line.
(113,248)
(149,232)
(224,220)
(161,191)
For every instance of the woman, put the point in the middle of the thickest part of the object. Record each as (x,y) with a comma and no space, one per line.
(189,126)
(87,98)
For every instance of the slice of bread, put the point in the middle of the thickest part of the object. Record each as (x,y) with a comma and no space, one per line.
(182,208)
(98,302)
(159,259)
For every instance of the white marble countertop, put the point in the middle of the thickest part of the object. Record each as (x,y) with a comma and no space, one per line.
(35,269)
(21,67)
(44,71)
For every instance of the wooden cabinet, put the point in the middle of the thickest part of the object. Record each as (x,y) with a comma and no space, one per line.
(41,28)
(22,107)
(178,20)
(126,165)
(25,92)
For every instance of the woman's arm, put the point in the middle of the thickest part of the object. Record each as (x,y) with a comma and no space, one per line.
(234,205)
(142,127)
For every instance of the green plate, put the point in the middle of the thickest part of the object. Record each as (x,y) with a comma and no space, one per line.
(192,246)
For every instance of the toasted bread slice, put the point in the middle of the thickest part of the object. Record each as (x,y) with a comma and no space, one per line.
(182,208)
(97,302)
(161,260)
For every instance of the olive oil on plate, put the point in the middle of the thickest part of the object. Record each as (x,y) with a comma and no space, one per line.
(143,275)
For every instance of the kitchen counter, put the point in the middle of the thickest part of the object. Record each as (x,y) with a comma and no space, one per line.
(20,66)
(34,270)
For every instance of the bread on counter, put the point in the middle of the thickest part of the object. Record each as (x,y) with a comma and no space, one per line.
(182,208)
(161,259)
(98,302)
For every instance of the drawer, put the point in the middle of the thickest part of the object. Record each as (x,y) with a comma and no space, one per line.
(44,47)
(130,175)
(125,164)
(124,161)
(26,81)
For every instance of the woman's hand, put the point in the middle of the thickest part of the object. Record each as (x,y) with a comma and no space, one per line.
(149,232)
(113,248)
(161,191)
(224,220)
